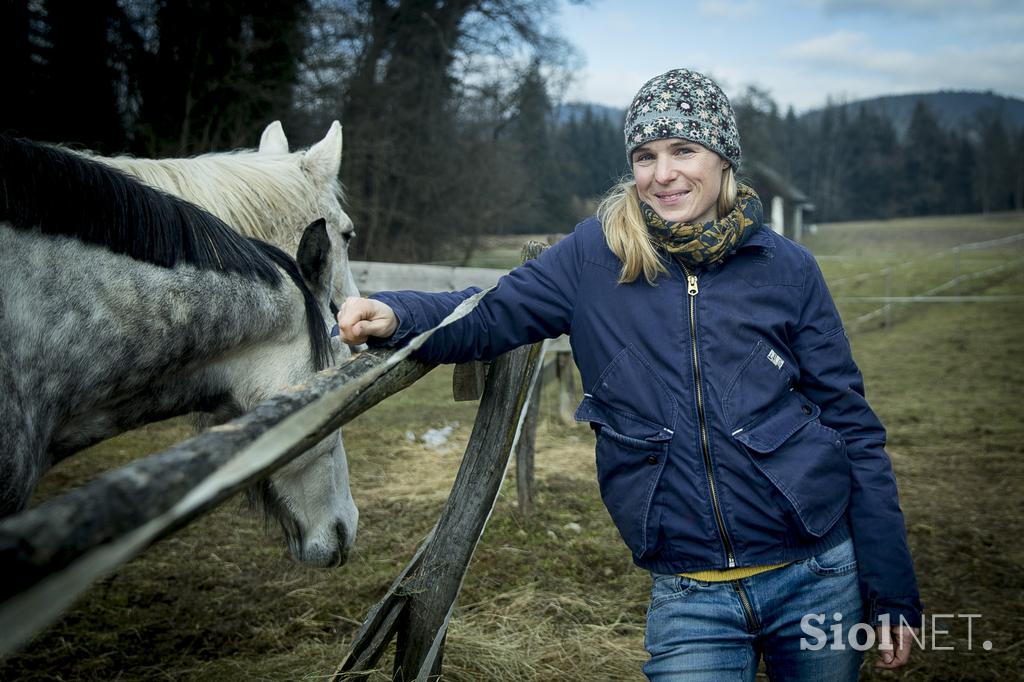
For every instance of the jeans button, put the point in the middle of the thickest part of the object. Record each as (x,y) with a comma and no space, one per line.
(652,459)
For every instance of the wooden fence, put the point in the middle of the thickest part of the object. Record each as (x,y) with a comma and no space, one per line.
(949,291)
(50,554)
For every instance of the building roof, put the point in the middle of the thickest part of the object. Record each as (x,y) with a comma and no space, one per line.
(774,182)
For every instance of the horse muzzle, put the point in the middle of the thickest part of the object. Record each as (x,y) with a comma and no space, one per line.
(328,552)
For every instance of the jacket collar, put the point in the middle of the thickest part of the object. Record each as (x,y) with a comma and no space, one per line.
(762,239)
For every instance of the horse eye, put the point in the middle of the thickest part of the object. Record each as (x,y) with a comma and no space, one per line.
(348,237)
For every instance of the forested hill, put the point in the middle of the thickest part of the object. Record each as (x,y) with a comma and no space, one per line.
(953,109)
(573,110)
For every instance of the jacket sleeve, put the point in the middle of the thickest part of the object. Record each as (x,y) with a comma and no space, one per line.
(830,378)
(532,302)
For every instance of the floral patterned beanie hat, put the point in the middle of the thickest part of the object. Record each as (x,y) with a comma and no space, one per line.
(685,104)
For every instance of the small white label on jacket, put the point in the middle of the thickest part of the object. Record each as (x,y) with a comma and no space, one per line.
(774,358)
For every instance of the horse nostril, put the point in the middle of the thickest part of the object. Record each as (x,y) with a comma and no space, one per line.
(337,558)
(343,540)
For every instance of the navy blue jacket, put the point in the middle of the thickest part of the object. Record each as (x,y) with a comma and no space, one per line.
(731,423)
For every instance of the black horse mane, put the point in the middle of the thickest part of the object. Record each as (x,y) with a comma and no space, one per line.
(58,192)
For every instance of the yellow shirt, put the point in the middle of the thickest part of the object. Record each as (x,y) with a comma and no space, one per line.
(721,575)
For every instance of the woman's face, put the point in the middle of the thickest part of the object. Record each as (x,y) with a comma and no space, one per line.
(680,179)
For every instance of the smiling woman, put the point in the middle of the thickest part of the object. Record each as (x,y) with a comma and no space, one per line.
(736,453)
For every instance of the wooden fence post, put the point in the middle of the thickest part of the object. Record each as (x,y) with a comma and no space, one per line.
(527,444)
(956,270)
(888,294)
(420,602)
(468,380)
(432,589)
(566,387)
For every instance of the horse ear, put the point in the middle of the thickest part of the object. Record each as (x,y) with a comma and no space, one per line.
(314,257)
(273,141)
(323,160)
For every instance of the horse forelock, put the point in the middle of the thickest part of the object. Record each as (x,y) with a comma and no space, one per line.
(245,187)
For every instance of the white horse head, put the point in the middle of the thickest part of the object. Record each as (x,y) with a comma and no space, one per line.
(270,193)
(322,164)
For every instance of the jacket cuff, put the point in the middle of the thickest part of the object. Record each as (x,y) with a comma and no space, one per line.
(900,611)
(406,321)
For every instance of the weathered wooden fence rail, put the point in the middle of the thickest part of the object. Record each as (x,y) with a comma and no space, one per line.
(50,554)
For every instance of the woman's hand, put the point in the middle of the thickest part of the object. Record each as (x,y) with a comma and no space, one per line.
(361,318)
(894,644)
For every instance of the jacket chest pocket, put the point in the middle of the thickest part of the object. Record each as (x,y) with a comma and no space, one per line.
(804,459)
(631,455)
(764,377)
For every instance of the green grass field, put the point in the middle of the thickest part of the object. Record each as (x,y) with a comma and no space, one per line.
(221,601)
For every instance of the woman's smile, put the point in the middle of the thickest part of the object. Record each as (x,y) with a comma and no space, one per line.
(673,198)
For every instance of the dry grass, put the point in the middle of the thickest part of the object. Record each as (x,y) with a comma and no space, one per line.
(221,601)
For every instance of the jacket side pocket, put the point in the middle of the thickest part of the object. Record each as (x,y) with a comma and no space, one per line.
(631,454)
(804,459)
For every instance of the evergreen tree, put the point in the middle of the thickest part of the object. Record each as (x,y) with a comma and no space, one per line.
(995,169)
(20,59)
(757,117)
(68,66)
(1018,172)
(926,156)
(217,73)
(872,174)
(828,170)
(792,150)
(545,206)
(959,178)
(411,158)
(593,153)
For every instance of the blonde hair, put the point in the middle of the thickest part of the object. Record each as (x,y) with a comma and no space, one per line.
(626,232)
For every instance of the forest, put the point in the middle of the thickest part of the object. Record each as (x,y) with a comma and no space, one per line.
(453,111)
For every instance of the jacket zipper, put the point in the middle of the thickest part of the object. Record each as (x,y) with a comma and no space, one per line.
(691,291)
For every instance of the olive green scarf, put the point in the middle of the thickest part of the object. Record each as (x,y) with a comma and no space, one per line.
(707,243)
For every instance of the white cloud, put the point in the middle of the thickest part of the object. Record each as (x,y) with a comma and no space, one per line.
(920,8)
(849,63)
(848,50)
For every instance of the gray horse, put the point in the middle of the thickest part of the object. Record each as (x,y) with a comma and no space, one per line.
(121,305)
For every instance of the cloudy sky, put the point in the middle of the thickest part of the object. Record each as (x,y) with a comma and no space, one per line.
(799,50)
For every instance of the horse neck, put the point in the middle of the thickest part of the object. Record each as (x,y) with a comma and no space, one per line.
(118,343)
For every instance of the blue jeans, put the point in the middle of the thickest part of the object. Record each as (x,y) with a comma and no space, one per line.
(716,632)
